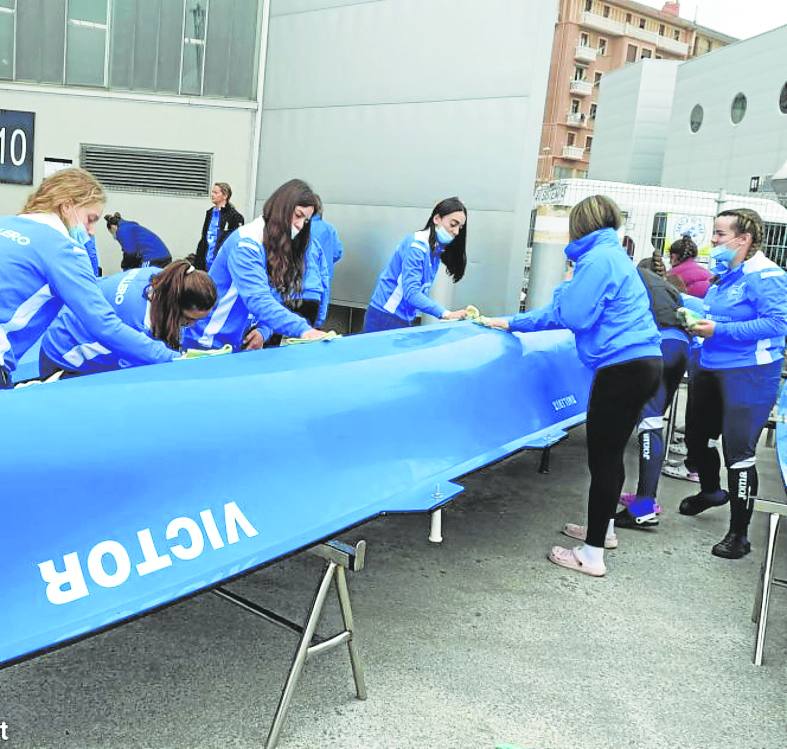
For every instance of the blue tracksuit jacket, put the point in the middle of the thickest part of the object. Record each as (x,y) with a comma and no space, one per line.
(402,288)
(606,305)
(68,344)
(327,236)
(749,306)
(41,269)
(317,278)
(241,277)
(135,239)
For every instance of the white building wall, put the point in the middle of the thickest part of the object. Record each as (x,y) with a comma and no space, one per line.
(632,125)
(721,154)
(65,118)
(387,107)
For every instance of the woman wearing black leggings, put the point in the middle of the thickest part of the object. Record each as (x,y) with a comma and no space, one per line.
(605,304)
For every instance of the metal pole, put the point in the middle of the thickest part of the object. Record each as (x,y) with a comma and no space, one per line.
(300,656)
(347,618)
(767,578)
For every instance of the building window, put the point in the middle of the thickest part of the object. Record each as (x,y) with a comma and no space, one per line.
(584,40)
(659,231)
(661,29)
(579,73)
(593,108)
(658,57)
(570,138)
(7,8)
(695,118)
(631,53)
(783,99)
(588,142)
(596,78)
(563,172)
(628,17)
(588,5)
(708,45)
(646,54)
(642,23)
(40,41)
(602,46)
(676,34)
(605,11)
(86,42)
(738,108)
(575,105)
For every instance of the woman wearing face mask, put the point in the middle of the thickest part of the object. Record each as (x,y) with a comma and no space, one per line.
(259,270)
(158,303)
(44,265)
(739,371)
(403,287)
(220,221)
(606,306)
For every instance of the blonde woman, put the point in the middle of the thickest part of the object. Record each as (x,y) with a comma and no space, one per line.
(44,265)
(606,306)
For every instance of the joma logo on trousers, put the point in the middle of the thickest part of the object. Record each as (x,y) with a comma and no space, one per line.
(186,541)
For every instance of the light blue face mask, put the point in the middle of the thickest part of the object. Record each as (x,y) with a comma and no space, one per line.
(79,234)
(443,236)
(721,256)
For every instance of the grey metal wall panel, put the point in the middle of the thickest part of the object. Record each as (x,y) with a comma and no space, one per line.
(387,107)
(400,155)
(400,51)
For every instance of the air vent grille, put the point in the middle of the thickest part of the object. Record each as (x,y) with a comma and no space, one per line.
(147,170)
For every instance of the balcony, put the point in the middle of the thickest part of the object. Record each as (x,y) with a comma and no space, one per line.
(599,23)
(576,153)
(581,88)
(584,53)
(575,119)
(651,37)
(672,46)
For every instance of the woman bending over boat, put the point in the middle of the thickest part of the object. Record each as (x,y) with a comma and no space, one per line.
(158,303)
(402,289)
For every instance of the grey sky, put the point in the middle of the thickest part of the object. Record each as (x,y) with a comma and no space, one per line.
(732,17)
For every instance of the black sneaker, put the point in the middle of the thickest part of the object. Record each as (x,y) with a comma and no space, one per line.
(624,519)
(698,503)
(732,546)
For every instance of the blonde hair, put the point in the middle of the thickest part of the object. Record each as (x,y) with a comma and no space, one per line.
(746,221)
(75,186)
(591,214)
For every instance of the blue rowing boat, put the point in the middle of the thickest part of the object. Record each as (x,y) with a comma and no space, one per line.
(126,491)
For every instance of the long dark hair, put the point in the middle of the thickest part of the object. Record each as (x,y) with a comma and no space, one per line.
(285,255)
(177,288)
(454,256)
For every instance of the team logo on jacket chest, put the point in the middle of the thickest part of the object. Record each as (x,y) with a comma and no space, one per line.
(735,293)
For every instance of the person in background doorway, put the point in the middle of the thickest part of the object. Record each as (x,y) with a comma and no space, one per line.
(683,253)
(739,371)
(141,247)
(402,289)
(158,303)
(220,221)
(44,265)
(605,303)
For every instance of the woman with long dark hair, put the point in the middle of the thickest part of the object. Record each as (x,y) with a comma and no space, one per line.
(402,290)
(259,271)
(158,303)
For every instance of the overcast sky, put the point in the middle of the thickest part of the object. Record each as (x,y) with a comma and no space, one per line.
(733,17)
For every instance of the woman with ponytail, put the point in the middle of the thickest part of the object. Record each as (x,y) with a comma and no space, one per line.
(402,290)
(158,303)
(258,272)
(683,253)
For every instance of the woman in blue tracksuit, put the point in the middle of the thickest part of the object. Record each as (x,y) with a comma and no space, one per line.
(606,305)
(44,265)
(737,381)
(258,271)
(158,303)
(402,289)
(315,295)
(141,247)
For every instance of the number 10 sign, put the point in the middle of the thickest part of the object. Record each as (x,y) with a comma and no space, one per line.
(17,135)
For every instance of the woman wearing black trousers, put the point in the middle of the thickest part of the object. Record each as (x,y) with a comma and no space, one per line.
(220,221)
